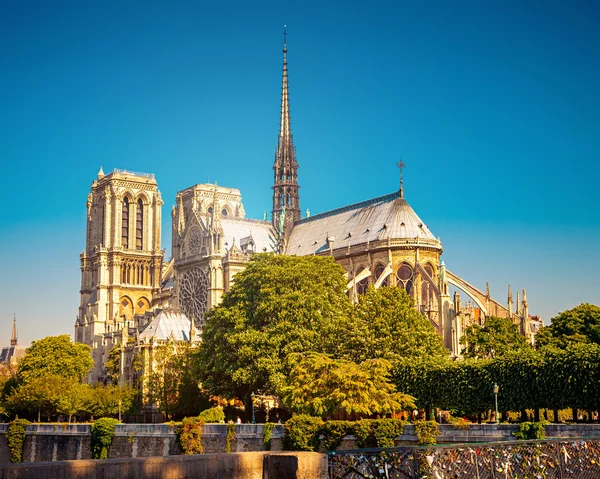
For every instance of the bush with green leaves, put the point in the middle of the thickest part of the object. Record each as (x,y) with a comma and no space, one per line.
(103,431)
(15,438)
(212,415)
(334,431)
(268,431)
(189,435)
(427,432)
(387,430)
(231,427)
(302,433)
(531,430)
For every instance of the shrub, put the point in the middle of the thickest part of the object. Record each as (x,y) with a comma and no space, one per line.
(386,430)
(103,431)
(363,430)
(15,438)
(302,433)
(212,415)
(426,432)
(189,434)
(531,430)
(334,431)
(267,435)
(230,436)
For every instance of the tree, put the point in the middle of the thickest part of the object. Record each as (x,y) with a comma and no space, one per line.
(55,355)
(578,325)
(170,370)
(321,386)
(278,305)
(108,401)
(495,339)
(386,325)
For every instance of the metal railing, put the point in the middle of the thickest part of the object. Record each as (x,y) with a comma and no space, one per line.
(135,173)
(577,458)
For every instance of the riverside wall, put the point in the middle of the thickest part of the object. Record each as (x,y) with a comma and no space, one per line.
(62,442)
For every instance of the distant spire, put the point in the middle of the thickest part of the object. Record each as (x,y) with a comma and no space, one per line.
(100,173)
(13,338)
(401,165)
(487,290)
(286,197)
(510,302)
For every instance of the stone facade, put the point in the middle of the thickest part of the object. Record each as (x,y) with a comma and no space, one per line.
(121,266)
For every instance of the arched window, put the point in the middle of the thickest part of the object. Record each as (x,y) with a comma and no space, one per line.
(361,286)
(125,223)
(429,269)
(404,278)
(224,212)
(378,272)
(139,224)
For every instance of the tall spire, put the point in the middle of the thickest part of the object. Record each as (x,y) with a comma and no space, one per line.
(286,199)
(13,338)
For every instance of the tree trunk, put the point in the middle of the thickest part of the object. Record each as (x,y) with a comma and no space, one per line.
(524,417)
(537,415)
(556,419)
(575,415)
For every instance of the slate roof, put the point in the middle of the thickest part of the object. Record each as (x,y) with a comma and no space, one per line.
(382,218)
(262,233)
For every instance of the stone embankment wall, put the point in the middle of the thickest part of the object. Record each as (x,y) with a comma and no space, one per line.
(251,465)
(60,442)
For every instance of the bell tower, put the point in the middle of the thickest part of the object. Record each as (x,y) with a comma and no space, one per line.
(122,261)
(286,197)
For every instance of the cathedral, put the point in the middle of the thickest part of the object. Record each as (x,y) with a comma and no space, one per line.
(128,287)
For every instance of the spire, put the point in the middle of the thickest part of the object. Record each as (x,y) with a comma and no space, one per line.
(286,199)
(13,338)
(510,302)
(100,173)
(487,290)
(401,165)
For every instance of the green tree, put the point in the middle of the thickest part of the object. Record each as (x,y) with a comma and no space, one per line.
(386,325)
(40,397)
(278,305)
(55,355)
(321,386)
(109,400)
(113,365)
(578,325)
(496,338)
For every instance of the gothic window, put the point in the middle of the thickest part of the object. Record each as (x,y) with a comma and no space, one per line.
(429,270)
(404,278)
(361,286)
(193,293)
(194,241)
(210,210)
(224,212)
(139,224)
(378,272)
(125,223)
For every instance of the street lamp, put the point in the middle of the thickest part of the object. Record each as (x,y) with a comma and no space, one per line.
(496,389)
(252,399)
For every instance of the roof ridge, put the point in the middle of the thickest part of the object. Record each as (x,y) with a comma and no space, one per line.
(354,206)
(248,220)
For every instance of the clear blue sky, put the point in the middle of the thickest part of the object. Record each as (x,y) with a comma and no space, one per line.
(493,106)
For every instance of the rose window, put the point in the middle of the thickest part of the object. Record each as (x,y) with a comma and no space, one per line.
(193,292)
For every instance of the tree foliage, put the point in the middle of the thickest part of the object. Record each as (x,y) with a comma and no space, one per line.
(321,386)
(55,355)
(496,338)
(388,326)
(578,325)
(278,305)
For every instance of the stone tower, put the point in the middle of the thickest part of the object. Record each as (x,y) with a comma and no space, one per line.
(286,197)
(121,264)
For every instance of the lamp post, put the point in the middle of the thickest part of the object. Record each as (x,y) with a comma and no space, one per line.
(252,399)
(496,389)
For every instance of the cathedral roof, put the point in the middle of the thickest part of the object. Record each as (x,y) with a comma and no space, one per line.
(262,233)
(168,325)
(386,217)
